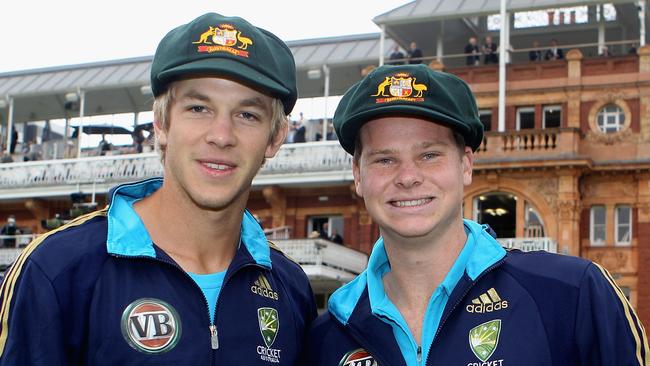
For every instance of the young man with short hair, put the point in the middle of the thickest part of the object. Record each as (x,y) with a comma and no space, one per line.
(175,271)
(440,290)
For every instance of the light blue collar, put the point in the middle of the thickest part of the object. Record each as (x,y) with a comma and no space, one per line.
(127,235)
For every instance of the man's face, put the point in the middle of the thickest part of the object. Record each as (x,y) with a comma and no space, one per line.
(411,175)
(218,136)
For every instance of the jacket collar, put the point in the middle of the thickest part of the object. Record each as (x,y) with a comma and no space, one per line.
(127,235)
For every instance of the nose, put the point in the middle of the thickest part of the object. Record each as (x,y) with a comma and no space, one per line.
(408,175)
(221,132)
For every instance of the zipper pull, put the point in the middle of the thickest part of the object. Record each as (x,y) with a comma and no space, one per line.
(214,337)
(419,354)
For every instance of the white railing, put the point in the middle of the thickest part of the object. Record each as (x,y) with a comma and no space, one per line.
(529,244)
(291,159)
(282,232)
(325,253)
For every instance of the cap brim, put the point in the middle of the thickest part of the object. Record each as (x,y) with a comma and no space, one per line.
(353,125)
(229,69)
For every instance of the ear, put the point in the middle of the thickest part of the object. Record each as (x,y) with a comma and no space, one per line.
(276,141)
(467,161)
(356,172)
(160,133)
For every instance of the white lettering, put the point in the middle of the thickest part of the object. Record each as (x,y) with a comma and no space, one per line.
(487,363)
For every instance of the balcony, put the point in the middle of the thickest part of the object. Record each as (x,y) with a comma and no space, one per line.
(322,162)
(531,145)
(529,244)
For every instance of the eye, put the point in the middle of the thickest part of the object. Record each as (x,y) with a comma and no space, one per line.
(430,156)
(384,161)
(196,108)
(249,116)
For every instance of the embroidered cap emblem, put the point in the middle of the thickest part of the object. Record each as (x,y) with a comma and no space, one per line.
(269,324)
(401,86)
(358,357)
(223,38)
(151,325)
(484,339)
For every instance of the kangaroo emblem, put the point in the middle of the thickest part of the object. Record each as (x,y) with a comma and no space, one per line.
(205,36)
(420,89)
(245,41)
(381,89)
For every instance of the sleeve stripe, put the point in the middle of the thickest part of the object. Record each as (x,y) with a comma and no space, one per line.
(634,323)
(10,280)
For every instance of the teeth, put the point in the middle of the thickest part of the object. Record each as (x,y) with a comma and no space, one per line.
(411,203)
(216,166)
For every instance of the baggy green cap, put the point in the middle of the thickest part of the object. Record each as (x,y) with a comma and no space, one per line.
(213,44)
(408,90)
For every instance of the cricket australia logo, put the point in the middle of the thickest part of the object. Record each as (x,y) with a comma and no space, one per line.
(151,326)
(358,357)
(269,322)
(484,339)
(223,38)
(401,86)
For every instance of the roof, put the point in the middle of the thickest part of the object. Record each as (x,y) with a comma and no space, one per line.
(423,10)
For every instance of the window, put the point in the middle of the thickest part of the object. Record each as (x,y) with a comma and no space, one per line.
(552,116)
(623,225)
(525,118)
(597,226)
(485,115)
(326,227)
(610,118)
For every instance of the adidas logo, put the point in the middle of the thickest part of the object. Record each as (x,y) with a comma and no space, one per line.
(487,303)
(262,287)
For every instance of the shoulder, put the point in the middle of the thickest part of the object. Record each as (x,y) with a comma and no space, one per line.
(79,242)
(533,267)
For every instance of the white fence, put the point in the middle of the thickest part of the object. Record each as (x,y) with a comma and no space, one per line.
(321,252)
(529,244)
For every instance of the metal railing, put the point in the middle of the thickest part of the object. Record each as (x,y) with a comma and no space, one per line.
(529,244)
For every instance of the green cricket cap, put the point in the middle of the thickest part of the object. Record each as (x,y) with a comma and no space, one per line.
(408,90)
(213,44)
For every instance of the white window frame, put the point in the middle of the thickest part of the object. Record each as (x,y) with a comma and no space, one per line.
(521,110)
(551,108)
(605,114)
(616,225)
(483,112)
(592,226)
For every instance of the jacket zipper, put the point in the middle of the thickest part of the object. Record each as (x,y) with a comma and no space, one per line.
(214,333)
(460,299)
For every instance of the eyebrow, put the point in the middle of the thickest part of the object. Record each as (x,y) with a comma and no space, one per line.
(255,102)
(193,94)
(422,145)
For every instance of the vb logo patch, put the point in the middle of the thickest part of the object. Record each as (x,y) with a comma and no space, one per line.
(223,38)
(358,357)
(269,322)
(401,86)
(151,326)
(483,340)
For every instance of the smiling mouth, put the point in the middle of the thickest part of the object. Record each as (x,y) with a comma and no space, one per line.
(412,203)
(215,166)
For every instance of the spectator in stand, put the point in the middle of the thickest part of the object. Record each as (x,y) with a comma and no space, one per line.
(138,140)
(415,54)
(324,231)
(10,228)
(300,130)
(535,54)
(336,237)
(632,50)
(490,51)
(396,57)
(554,52)
(473,52)
(605,52)
(13,140)
(104,146)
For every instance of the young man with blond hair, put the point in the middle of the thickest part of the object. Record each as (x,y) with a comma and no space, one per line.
(175,271)
(440,290)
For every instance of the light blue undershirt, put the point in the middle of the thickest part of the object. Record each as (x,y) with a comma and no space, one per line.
(210,285)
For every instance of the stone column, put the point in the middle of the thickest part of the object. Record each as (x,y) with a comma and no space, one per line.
(643,242)
(276,198)
(568,233)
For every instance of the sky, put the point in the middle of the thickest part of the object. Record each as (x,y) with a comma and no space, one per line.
(35,34)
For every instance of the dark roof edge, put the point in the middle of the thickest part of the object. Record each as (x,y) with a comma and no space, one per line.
(76,66)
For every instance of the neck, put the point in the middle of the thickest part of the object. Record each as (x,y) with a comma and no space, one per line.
(199,240)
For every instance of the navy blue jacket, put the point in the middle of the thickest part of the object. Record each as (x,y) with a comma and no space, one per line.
(97,291)
(530,309)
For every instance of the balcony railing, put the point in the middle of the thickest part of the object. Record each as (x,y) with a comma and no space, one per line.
(540,143)
(315,161)
(529,244)
(322,259)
